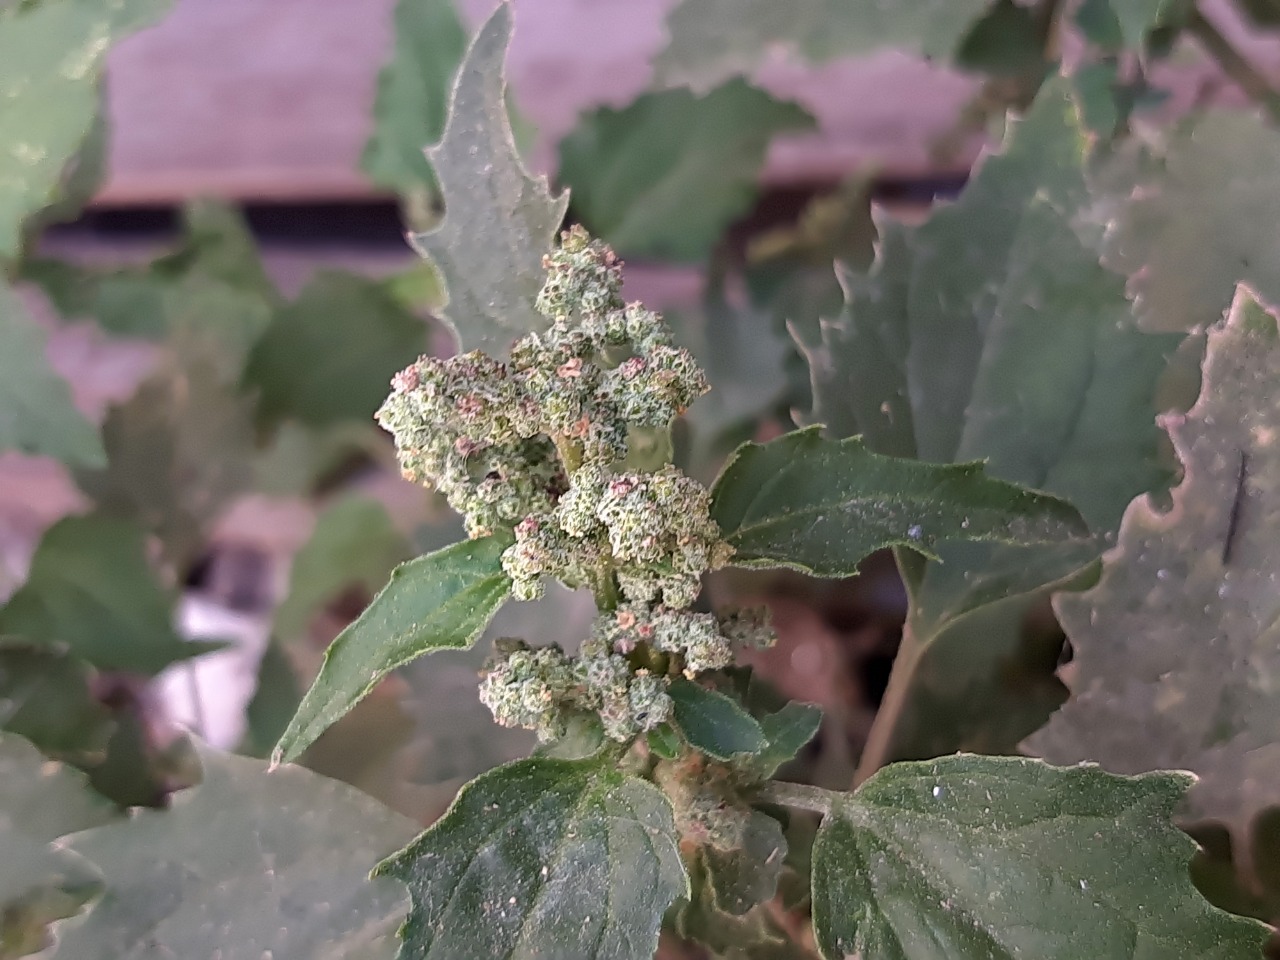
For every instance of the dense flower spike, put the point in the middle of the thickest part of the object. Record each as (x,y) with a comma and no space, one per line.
(549,445)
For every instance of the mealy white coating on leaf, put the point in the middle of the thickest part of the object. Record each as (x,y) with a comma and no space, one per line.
(1177,662)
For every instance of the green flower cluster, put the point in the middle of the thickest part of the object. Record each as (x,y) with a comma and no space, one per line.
(700,641)
(542,689)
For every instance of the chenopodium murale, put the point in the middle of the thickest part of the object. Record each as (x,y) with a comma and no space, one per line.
(564,447)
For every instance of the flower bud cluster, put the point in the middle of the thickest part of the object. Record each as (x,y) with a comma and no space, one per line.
(540,689)
(654,529)
(702,641)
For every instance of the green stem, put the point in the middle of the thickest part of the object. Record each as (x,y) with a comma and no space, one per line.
(880,740)
(605,588)
(1233,63)
(570,452)
(800,796)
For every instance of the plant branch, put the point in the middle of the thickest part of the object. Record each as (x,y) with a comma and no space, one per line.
(1233,63)
(880,740)
(800,796)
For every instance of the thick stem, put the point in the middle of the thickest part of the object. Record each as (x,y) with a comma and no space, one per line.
(800,796)
(880,740)
(1233,63)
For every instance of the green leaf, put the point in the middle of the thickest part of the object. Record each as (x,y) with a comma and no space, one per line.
(437,602)
(746,873)
(1242,878)
(1134,20)
(354,543)
(822,506)
(413,95)
(663,742)
(37,414)
(329,355)
(275,700)
(178,451)
(786,732)
(543,858)
(755,935)
(992,332)
(1192,225)
(92,591)
(1176,660)
(977,857)
(499,221)
(714,723)
(715,39)
(41,801)
(243,866)
(45,696)
(51,58)
(666,175)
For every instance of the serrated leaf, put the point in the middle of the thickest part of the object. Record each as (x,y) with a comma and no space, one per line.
(992,332)
(354,543)
(822,506)
(37,414)
(41,801)
(329,355)
(715,39)
(178,451)
(413,95)
(1176,660)
(51,58)
(1194,222)
(498,221)
(664,176)
(437,602)
(543,858)
(978,857)
(243,866)
(45,697)
(714,723)
(91,591)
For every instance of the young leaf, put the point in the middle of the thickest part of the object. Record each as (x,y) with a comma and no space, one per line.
(1192,224)
(714,723)
(39,883)
(51,57)
(499,221)
(438,602)
(413,96)
(543,858)
(45,697)
(354,543)
(1176,662)
(37,414)
(715,39)
(746,874)
(244,865)
(92,591)
(992,332)
(786,732)
(821,506)
(666,175)
(329,355)
(977,857)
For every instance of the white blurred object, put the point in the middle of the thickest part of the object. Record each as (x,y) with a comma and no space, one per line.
(209,694)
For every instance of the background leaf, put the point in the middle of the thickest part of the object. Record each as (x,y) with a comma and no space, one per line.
(544,858)
(1176,660)
(498,221)
(45,696)
(413,96)
(244,865)
(40,802)
(440,601)
(92,591)
(51,56)
(37,414)
(664,176)
(715,39)
(329,355)
(992,332)
(976,857)
(822,506)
